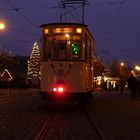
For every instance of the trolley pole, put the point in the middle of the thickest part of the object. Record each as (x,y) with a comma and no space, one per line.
(83,13)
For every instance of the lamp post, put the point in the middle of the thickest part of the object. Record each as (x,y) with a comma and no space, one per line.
(122,69)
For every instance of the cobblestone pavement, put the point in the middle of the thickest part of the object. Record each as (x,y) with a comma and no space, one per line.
(20,115)
(118,116)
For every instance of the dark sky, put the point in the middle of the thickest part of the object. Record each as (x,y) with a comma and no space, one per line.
(113,23)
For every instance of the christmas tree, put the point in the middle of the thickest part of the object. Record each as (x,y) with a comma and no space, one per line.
(34,62)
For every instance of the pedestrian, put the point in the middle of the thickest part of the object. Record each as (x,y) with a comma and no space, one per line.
(122,84)
(132,84)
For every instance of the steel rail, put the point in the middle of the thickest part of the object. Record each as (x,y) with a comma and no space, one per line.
(43,132)
(100,132)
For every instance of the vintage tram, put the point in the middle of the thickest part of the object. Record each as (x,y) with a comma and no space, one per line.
(67,61)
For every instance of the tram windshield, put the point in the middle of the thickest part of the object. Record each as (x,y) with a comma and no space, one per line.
(60,47)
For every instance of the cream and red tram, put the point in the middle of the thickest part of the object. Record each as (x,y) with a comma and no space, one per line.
(66,63)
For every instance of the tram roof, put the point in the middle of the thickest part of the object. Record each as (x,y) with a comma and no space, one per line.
(69,24)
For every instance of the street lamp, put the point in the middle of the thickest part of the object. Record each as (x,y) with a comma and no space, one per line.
(122,69)
(137,68)
(122,64)
(2,26)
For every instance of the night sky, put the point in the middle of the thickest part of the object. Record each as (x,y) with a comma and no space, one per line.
(115,25)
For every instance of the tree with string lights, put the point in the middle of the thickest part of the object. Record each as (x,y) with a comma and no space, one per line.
(34,62)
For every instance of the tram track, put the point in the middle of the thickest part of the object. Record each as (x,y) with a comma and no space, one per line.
(97,127)
(43,132)
(82,115)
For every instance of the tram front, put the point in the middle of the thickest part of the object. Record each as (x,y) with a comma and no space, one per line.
(65,71)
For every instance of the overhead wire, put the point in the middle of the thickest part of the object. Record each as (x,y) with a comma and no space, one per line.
(16,39)
(26,8)
(114,21)
(55,7)
(117,14)
(25,32)
(107,3)
(72,15)
(17,30)
(17,10)
(118,40)
(121,3)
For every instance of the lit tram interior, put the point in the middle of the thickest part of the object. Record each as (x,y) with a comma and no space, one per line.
(65,43)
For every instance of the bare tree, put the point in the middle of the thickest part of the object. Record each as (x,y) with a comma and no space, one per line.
(6,59)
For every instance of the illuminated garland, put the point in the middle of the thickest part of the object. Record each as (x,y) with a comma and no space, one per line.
(34,62)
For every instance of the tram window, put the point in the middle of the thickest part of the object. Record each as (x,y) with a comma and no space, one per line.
(87,49)
(47,47)
(60,47)
(44,48)
(62,50)
(76,47)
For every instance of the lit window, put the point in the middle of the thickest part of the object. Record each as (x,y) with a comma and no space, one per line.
(79,30)
(62,30)
(67,35)
(75,49)
(46,31)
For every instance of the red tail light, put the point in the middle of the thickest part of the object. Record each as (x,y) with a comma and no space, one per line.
(54,89)
(60,89)
(59,86)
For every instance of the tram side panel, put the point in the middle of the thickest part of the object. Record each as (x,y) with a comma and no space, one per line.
(88,77)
